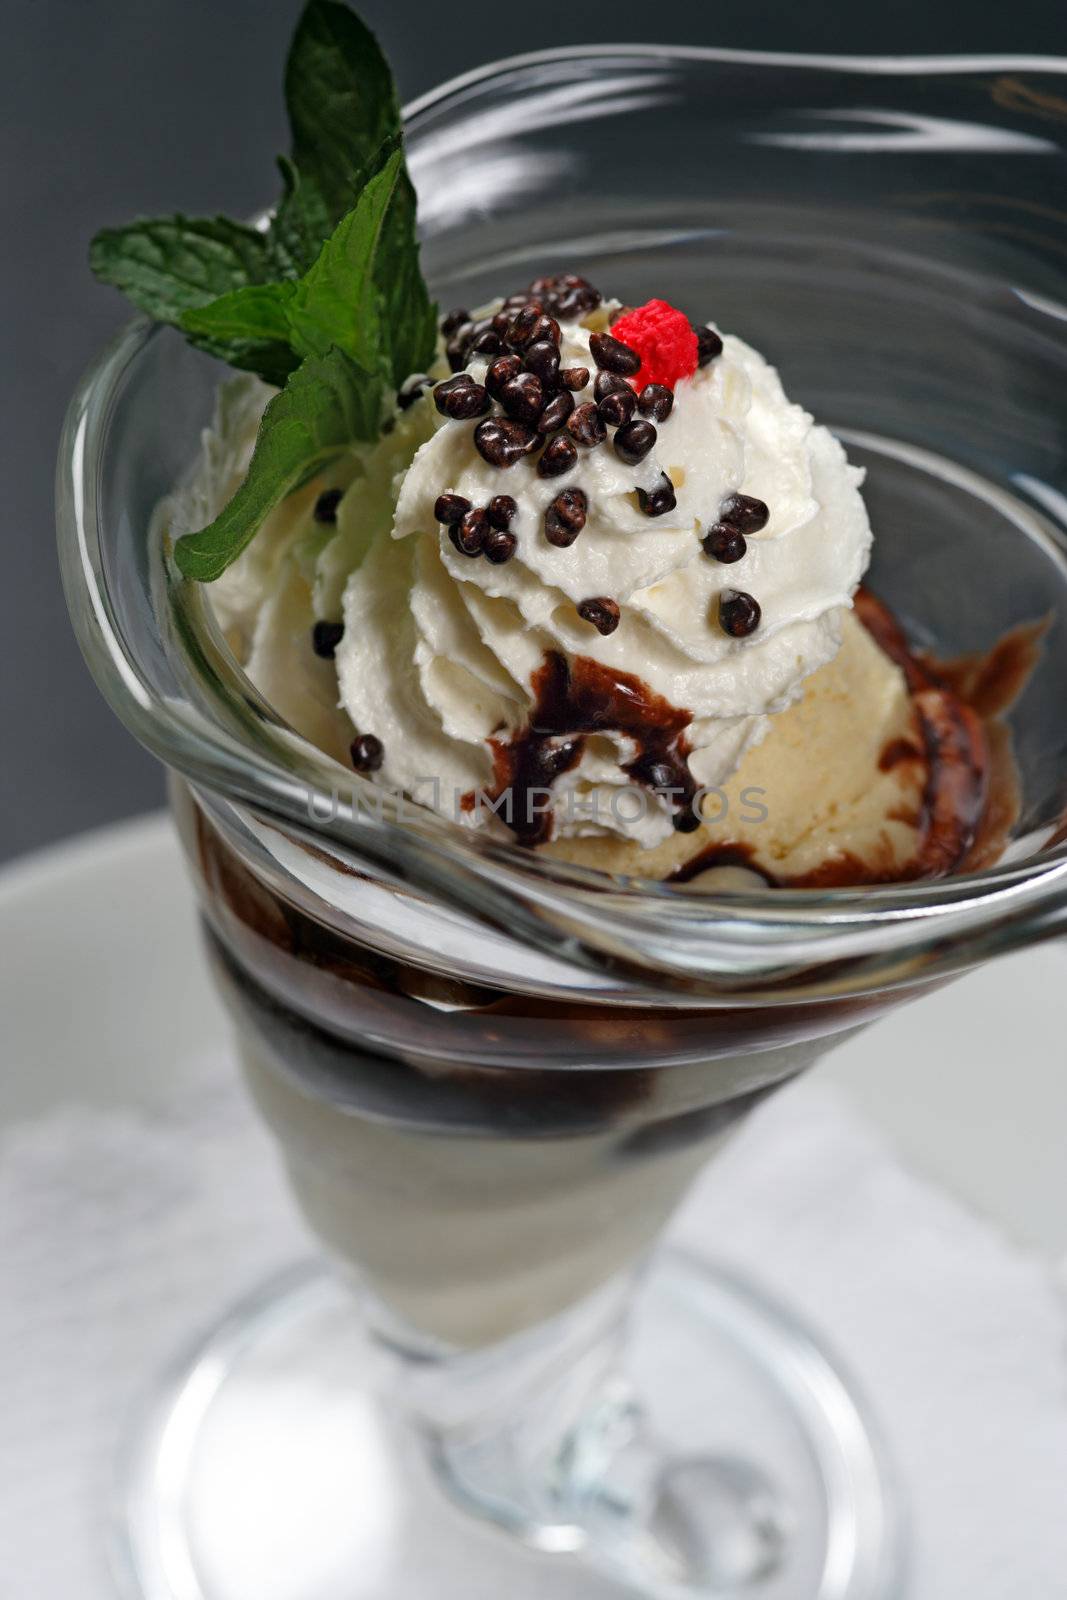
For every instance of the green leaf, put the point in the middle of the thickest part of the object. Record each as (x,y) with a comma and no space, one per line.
(171,265)
(327,403)
(342,103)
(272,362)
(364,292)
(343,108)
(337,302)
(301,222)
(260,311)
(407,310)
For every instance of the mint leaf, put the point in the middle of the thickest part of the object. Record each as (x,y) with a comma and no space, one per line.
(327,403)
(301,222)
(256,312)
(343,108)
(337,302)
(342,103)
(272,362)
(407,310)
(167,265)
(170,265)
(365,291)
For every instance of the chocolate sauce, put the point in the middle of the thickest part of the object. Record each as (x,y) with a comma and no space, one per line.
(992,680)
(721,855)
(956,783)
(896,752)
(571,701)
(963,796)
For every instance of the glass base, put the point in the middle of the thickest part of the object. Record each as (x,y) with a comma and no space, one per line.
(268,1467)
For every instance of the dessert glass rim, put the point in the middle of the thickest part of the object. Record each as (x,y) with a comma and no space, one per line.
(882,935)
(870,65)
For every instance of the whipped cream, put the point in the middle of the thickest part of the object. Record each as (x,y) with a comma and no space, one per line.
(440,651)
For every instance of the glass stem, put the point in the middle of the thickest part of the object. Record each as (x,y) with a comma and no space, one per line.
(514,1429)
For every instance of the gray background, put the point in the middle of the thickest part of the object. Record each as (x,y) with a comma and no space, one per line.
(120,107)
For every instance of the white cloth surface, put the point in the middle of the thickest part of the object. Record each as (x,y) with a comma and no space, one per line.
(124,1233)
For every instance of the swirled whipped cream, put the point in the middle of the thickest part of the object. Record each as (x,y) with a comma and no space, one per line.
(514,673)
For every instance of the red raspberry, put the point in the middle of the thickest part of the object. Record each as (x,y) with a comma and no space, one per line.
(664,339)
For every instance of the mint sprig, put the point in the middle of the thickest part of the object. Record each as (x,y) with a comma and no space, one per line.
(328,300)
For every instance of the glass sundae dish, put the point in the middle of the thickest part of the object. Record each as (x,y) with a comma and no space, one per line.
(551,788)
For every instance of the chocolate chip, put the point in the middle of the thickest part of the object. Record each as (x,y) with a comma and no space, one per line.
(523,397)
(739,613)
(559,456)
(618,407)
(556,412)
(574,377)
(524,318)
(565,517)
(744,511)
(452,321)
(709,345)
(518,302)
(450,508)
(602,613)
(486,343)
(612,355)
(501,510)
(724,543)
(571,304)
(470,532)
(606,383)
(542,358)
(585,425)
(411,389)
(457,347)
(500,546)
(501,441)
(461,397)
(654,502)
(655,401)
(325,637)
(634,440)
(529,326)
(686,820)
(572,282)
(326,505)
(500,372)
(566,294)
(367,753)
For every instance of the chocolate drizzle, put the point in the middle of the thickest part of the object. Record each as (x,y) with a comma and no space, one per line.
(571,701)
(953,744)
(581,698)
(721,855)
